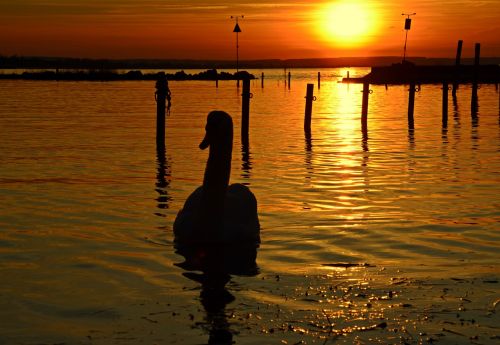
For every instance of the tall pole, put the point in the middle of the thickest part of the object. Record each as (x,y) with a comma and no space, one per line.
(404,49)
(457,64)
(161,96)
(245,111)
(407,28)
(237,30)
(308,110)
(237,53)
(474,100)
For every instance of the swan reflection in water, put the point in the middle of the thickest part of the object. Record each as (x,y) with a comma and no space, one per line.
(218,231)
(217,263)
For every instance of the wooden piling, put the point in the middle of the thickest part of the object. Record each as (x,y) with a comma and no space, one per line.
(160,97)
(262,80)
(474,100)
(319,80)
(289,77)
(445,105)
(245,110)
(364,106)
(308,109)
(411,106)
(457,64)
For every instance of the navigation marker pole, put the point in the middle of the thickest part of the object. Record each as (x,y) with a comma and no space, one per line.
(237,30)
(407,28)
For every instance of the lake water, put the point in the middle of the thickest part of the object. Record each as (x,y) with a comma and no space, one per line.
(87,204)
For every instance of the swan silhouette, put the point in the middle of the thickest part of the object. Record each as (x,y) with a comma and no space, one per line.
(216,212)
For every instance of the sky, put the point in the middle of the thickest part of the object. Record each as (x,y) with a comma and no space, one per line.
(271,29)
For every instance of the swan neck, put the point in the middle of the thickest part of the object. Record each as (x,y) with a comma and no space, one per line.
(215,183)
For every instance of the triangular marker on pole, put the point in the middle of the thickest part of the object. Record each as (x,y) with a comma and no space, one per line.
(237,28)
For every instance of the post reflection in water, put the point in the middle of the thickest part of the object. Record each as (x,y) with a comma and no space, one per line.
(498,91)
(475,108)
(217,263)
(411,152)
(444,134)
(308,155)
(475,124)
(444,128)
(474,132)
(456,118)
(366,157)
(364,145)
(246,164)
(162,179)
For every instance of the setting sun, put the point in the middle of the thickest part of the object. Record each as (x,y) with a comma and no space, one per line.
(346,23)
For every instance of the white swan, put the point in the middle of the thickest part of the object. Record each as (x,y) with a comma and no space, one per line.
(217,212)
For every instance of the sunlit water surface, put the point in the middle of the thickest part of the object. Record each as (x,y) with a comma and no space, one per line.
(87,202)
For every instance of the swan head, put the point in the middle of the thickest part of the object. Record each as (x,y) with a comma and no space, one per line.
(218,130)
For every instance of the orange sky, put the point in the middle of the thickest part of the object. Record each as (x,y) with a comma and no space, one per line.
(200,29)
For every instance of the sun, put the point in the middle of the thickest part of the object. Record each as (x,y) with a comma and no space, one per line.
(346,23)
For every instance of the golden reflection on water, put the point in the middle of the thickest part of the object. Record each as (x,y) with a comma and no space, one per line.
(88,204)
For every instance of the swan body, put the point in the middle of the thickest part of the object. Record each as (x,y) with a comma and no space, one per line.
(216,212)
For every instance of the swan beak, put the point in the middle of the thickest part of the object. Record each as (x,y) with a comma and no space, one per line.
(205,142)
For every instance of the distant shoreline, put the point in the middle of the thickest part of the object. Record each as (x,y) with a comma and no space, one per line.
(20,62)
(105,75)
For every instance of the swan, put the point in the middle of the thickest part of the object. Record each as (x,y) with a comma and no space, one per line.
(216,212)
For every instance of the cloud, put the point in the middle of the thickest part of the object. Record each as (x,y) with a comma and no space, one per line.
(33,8)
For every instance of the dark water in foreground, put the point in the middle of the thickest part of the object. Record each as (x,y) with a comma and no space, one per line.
(87,205)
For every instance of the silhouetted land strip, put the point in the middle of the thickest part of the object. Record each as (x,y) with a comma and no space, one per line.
(26,62)
(131,75)
(410,73)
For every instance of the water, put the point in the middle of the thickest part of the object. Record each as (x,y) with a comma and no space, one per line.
(87,205)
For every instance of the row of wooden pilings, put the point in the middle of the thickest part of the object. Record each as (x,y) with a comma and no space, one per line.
(414,87)
(289,78)
(246,95)
(162,94)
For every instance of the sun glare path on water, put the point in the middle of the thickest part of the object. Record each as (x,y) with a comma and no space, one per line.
(346,23)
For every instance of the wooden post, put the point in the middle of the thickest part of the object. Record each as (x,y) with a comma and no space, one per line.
(245,110)
(160,97)
(308,110)
(457,64)
(364,106)
(319,80)
(289,77)
(216,82)
(473,104)
(445,105)
(411,106)
(262,80)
